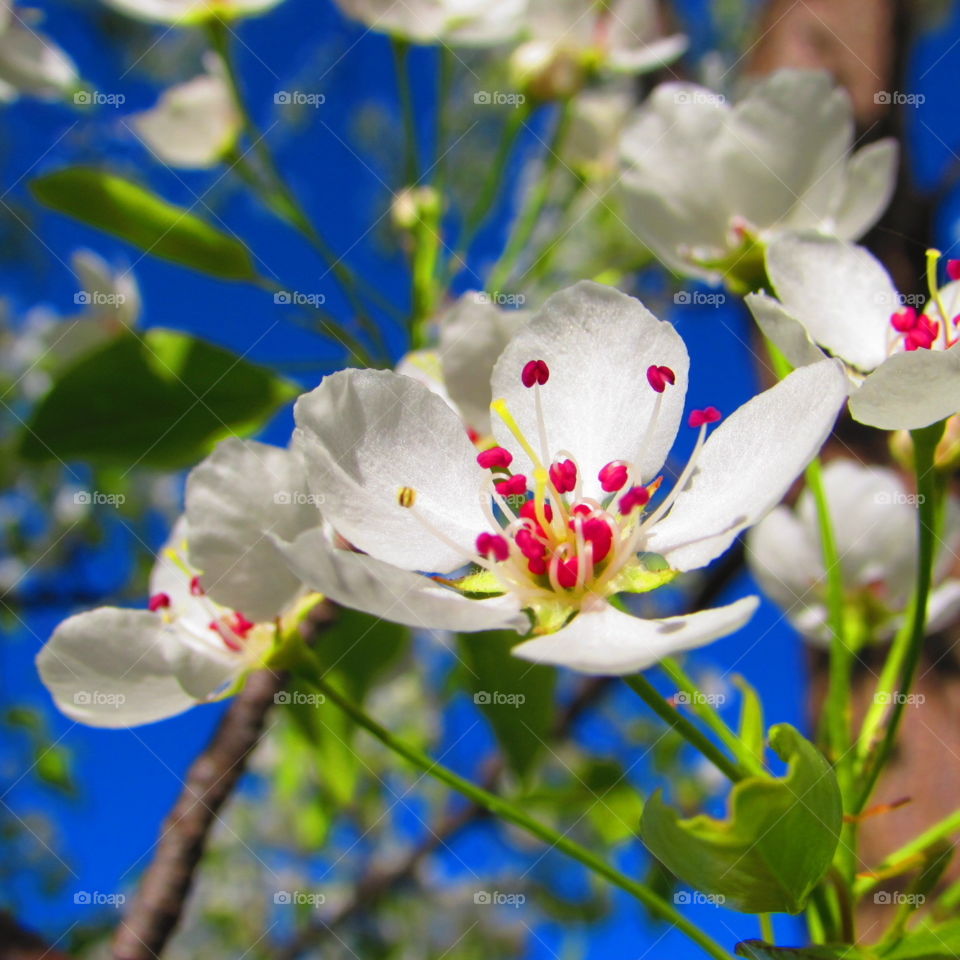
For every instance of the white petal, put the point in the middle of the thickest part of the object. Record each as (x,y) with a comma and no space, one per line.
(359,581)
(781,151)
(113,668)
(910,390)
(871,177)
(785,560)
(32,63)
(944,606)
(748,464)
(611,643)
(839,292)
(649,56)
(597,404)
(240,493)
(365,435)
(473,334)
(783,330)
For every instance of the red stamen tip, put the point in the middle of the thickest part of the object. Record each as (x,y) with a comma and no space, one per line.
(493,545)
(529,545)
(953,269)
(537,566)
(535,371)
(659,377)
(633,498)
(196,588)
(158,601)
(567,571)
(563,476)
(613,476)
(707,415)
(494,457)
(904,320)
(529,511)
(514,487)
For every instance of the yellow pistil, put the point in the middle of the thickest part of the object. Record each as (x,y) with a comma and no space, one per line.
(933,258)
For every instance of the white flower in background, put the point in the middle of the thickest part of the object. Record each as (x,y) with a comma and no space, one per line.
(704,182)
(472,334)
(30,62)
(567,41)
(564,513)
(875,524)
(186,12)
(905,366)
(467,22)
(194,124)
(113,667)
(597,118)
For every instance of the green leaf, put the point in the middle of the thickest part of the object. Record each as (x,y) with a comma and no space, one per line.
(758,950)
(640,579)
(751,718)
(132,213)
(161,400)
(775,846)
(940,942)
(515,696)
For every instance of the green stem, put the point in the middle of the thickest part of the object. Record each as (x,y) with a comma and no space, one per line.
(767,933)
(918,845)
(711,718)
(671,716)
(278,196)
(537,200)
(411,151)
(514,814)
(928,495)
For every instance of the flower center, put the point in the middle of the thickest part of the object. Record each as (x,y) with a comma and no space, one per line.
(921,331)
(549,542)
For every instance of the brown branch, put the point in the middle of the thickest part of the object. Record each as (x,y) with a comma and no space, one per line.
(18,943)
(158,905)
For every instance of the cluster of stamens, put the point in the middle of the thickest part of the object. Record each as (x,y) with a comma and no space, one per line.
(231,626)
(550,540)
(919,331)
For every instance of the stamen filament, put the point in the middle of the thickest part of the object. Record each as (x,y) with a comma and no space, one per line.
(500,408)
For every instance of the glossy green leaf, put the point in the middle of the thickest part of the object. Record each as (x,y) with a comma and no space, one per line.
(776,844)
(751,718)
(161,400)
(514,695)
(132,213)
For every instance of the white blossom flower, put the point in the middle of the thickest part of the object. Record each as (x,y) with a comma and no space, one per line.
(467,22)
(563,514)
(705,182)
(186,12)
(874,520)
(567,41)
(30,62)
(905,366)
(194,124)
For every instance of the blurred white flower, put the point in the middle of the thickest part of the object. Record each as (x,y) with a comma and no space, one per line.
(194,124)
(904,365)
(706,184)
(186,12)
(875,524)
(30,62)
